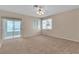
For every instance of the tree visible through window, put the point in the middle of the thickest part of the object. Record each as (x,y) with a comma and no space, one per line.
(47,24)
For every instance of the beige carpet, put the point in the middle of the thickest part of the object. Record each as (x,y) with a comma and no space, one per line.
(40,45)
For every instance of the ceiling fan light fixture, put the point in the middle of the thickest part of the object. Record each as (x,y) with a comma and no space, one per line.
(39,10)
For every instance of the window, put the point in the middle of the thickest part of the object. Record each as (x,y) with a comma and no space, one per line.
(47,24)
(11,28)
(36,24)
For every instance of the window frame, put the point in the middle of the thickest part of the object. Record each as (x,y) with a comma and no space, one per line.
(2,25)
(51,22)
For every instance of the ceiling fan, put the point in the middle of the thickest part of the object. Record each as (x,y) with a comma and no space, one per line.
(39,9)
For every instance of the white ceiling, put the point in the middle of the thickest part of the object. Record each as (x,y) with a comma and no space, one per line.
(29,10)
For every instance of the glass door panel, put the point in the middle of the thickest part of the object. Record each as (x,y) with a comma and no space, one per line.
(17,28)
(8,29)
(11,28)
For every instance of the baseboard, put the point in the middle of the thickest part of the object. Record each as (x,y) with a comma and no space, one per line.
(31,36)
(59,38)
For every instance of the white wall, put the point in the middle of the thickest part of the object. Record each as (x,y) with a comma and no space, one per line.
(26,23)
(66,25)
(28,27)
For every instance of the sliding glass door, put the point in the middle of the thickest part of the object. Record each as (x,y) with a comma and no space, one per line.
(17,28)
(8,29)
(11,28)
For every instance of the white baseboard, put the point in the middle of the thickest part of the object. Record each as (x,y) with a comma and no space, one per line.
(59,38)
